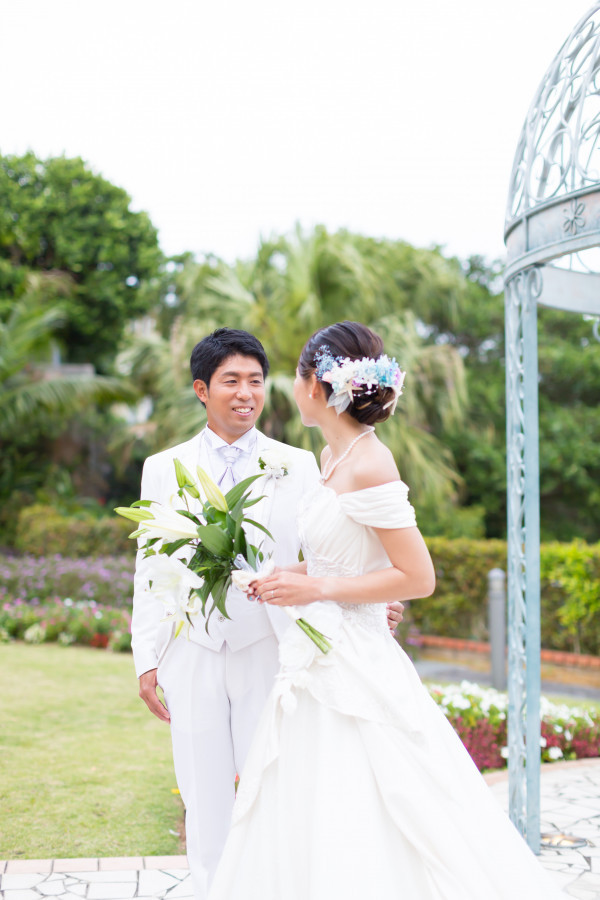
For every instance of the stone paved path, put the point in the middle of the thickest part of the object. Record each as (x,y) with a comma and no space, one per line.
(570,804)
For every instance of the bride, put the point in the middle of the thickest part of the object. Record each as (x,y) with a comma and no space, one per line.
(356,785)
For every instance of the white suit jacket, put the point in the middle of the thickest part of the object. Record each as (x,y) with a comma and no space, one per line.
(277,512)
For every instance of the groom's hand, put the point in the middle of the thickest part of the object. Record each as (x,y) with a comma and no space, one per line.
(148,685)
(394,615)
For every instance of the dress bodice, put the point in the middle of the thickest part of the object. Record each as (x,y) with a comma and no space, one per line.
(338,537)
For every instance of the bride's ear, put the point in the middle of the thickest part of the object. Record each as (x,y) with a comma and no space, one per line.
(315,388)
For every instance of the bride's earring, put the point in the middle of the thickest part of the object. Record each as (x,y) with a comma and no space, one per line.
(310,396)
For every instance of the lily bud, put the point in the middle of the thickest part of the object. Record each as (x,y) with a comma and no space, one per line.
(135,513)
(213,493)
(186,480)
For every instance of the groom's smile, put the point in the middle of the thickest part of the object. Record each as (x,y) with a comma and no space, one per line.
(235,396)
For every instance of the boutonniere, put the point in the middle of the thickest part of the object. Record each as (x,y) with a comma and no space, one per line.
(274,464)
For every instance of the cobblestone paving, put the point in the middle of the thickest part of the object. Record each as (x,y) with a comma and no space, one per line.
(570,803)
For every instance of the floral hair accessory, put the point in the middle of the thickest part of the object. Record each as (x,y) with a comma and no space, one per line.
(348,377)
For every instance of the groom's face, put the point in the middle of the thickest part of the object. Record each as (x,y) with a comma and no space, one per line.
(235,397)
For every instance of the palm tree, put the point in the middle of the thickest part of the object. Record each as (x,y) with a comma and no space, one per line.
(293,287)
(30,386)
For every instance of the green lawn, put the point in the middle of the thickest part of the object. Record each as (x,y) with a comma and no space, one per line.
(86,769)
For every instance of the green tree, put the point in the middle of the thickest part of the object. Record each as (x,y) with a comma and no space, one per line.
(37,398)
(290,289)
(58,216)
(569,373)
(30,387)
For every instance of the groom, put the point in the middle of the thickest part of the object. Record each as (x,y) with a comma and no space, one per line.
(215,684)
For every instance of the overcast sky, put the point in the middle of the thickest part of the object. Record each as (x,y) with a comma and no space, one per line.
(234,119)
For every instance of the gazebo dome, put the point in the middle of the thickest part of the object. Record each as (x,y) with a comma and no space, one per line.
(554,198)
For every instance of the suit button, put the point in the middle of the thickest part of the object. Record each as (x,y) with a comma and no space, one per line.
(221,618)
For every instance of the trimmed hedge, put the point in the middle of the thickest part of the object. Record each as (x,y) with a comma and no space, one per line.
(42,531)
(570,576)
(570,592)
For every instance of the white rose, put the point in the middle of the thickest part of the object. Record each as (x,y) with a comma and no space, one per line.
(274,463)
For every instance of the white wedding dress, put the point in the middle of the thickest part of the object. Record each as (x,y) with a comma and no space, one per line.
(356,786)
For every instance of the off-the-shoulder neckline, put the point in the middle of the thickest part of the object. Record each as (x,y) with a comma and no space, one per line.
(375,487)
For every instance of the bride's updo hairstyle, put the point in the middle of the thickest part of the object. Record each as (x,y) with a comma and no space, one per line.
(350,340)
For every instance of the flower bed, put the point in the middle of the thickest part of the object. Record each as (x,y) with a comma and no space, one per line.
(105,579)
(67,622)
(479,716)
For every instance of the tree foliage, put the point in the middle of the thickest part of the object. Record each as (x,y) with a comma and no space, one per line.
(292,287)
(58,216)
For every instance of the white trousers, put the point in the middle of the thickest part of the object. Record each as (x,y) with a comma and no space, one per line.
(215,699)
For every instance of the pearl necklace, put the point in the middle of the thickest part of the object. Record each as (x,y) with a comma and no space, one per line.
(328,472)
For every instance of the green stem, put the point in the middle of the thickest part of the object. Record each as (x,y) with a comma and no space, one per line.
(316,636)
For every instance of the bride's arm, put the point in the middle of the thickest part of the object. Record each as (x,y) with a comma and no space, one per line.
(411,575)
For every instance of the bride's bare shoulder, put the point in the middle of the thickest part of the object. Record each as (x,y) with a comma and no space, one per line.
(374,465)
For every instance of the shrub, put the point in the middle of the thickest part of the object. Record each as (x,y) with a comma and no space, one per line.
(570,592)
(478,715)
(42,531)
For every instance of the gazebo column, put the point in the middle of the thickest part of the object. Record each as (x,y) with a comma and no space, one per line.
(522,293)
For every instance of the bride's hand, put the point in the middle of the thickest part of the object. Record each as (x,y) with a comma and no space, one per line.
(283,588)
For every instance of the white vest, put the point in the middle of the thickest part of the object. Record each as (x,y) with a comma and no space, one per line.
(249,621)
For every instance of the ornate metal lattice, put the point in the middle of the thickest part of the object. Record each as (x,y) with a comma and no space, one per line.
(521,297)
(559,151)
(553,216)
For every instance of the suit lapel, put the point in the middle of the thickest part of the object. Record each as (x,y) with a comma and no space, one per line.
(195,454)
(264,488)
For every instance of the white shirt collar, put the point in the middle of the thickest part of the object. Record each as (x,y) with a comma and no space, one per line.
(245,443)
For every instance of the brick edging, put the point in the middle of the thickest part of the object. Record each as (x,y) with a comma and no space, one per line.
(556,657)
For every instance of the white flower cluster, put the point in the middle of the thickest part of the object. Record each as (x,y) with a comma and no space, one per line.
(274,463)
(468,695)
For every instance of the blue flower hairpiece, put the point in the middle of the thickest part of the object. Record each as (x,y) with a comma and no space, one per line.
(347,376)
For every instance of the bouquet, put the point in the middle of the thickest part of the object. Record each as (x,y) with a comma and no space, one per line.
(220,550)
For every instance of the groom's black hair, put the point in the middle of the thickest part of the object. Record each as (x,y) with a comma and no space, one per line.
(215,348)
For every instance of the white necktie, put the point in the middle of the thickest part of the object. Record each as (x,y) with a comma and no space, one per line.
(230,456)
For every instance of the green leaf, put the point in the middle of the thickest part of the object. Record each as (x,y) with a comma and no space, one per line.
(239,539)
(252,502)
(215,540)
(173,546)
(261,527)
(233,496)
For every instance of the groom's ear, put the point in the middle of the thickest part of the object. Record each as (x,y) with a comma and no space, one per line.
(201,390)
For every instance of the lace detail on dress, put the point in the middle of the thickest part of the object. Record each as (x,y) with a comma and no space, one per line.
(318,566)
(371,616)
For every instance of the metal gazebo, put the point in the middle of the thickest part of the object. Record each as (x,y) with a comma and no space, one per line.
(552,226)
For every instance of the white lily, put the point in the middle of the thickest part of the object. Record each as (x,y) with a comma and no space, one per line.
(167,524)
(172,581)
(172,584)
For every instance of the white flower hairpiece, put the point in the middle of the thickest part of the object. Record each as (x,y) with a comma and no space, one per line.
(347,376)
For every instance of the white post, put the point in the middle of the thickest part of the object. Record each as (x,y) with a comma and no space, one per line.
(497,626)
